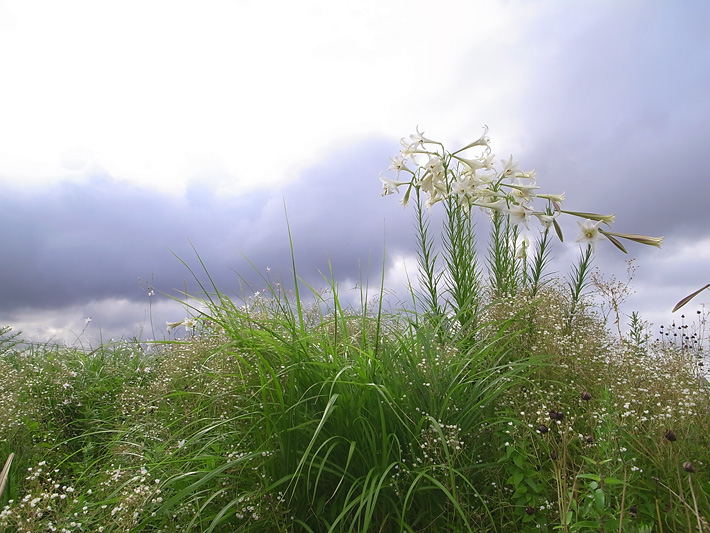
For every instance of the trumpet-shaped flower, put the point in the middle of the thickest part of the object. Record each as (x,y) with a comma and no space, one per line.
(547,220)
(464,186)
(433,182)
(478,163)
(390,186)
(490,204)
(522,247)
(484,179)
(510,168)
(521,193)
(519,214)
(483,140)
(399,164)
(554,198)
(416,141)
(589,232)
(434,165)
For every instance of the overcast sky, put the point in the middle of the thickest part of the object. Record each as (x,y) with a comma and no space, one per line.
(132,131)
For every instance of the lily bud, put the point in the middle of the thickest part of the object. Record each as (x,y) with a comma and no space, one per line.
(641,239)
(557,198)
(607,219)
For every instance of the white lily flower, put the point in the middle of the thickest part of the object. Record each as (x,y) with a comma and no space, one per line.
(589,232)
(522,248)
(390,186)
(510,168)
(557,198)
(486,178)
(473,164)
(434,165)
(398,163)
(418,140)
(483,140)
(464,186)
(521,193)
(519,214)
(545,219)
(489,207)
(432,199)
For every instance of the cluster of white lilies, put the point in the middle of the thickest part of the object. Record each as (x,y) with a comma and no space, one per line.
(473,181)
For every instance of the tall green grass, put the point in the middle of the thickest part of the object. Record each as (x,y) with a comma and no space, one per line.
(260,423)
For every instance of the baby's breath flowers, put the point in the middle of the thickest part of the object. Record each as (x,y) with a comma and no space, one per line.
(469,176)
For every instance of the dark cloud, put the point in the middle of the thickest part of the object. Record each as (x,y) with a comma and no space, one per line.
(618,112)
(76,242)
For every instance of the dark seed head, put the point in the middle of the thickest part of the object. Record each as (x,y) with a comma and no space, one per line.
(670,435)
(688,467)
(529,510)
(633,510)
(553,455)
(589,439)
(543,429)
(586,396)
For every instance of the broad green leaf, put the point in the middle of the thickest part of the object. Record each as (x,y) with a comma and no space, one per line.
(591,524)
(599,499)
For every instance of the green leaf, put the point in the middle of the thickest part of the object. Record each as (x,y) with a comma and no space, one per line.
(593,477)
(592,524)
(613,481)
(521,490)
(531,483)
(558,230)
(599,499)
(590,461)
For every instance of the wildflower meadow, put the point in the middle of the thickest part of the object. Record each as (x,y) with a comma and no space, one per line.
(500,397)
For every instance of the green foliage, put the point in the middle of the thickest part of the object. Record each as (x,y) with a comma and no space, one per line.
(578,281)
(343,420)
(8,339)
(507,271)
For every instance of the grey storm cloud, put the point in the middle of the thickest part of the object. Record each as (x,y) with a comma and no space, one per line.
(77,241)
(617,113)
